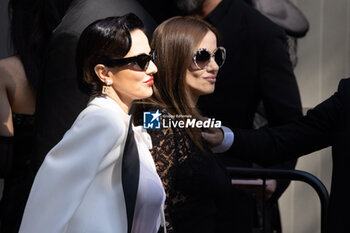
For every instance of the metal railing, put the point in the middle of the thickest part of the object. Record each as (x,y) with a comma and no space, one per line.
(293,175)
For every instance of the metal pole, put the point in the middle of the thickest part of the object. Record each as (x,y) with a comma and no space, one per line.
(297,175)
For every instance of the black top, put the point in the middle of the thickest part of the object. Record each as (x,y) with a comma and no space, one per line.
(196,184)
(18,183)
(328,124)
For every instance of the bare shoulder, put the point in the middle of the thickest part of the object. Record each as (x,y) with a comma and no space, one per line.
(12,71)
(13,79)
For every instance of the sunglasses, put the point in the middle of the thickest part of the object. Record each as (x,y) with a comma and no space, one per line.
(202,57)
(142,61)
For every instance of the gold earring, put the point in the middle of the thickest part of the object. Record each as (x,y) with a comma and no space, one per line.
(105,88)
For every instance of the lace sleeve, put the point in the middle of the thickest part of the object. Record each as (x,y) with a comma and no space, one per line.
(170,149)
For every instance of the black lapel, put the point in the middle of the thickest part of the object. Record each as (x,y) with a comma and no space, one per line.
(130,175)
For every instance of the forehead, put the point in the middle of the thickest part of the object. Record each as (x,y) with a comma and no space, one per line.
(139,43)
(209,41)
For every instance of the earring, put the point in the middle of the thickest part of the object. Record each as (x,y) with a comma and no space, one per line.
(105,88)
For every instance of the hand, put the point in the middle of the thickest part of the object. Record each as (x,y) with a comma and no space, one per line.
(255,188)
(213,136)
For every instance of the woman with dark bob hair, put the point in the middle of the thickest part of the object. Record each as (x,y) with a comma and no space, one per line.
(101,177)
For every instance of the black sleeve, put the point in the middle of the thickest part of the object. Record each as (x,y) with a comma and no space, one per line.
(312,132)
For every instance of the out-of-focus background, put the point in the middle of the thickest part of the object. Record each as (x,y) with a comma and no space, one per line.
(323,59)
(4,47)
(4,24)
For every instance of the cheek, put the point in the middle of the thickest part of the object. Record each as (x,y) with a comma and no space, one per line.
(193,78)
(198,85)
(142,90)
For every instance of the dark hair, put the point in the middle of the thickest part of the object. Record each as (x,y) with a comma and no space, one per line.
(105,38)
(174,42)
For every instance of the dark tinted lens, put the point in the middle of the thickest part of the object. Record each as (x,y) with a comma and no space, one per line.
(220,56)
(202,58)
(143,61)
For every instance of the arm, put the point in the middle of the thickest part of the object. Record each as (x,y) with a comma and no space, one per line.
(68,170)
(310,133)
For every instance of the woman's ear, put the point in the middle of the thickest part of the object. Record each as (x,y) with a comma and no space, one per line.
(103,73)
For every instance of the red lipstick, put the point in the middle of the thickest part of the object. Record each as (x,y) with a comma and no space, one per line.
(150,81)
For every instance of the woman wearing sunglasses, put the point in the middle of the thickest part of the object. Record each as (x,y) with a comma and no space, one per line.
(87,182)
(188,59)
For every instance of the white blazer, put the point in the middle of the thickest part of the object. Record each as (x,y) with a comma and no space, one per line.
(78,188)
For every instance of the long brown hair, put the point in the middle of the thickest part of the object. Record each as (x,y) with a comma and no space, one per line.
(174,42)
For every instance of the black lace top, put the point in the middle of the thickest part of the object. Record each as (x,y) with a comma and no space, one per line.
(196,185)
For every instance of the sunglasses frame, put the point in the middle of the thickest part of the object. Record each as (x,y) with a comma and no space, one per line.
(211,55)
(135,59)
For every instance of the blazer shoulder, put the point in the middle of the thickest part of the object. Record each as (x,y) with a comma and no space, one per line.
(344,84)
(104,119)
(343,92)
